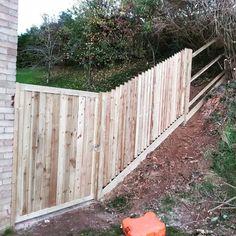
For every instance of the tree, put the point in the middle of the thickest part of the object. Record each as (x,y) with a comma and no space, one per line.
(25,58)
(104,35)
(50,44)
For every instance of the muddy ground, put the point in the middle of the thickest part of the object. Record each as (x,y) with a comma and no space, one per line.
(175,181)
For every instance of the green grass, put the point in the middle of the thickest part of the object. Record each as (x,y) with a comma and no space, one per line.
(171,231)
(76,78)
(120,203)
(168,203)
(31,76)
(224,160)
(8,232)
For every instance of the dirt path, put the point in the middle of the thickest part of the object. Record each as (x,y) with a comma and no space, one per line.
(167,171)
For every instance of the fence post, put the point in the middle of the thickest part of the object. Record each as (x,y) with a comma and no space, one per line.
(15,148)
(188,74)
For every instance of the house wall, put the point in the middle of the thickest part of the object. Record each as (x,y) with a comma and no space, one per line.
(8,50)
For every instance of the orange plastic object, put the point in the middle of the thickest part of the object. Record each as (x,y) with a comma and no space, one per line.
(147,225)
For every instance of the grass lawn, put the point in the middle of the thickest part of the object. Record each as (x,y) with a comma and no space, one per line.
(30,76)
(74,78)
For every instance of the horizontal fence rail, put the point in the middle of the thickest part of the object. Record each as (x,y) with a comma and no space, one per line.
(206,67)
(218,80)
(73,146)
(203,48)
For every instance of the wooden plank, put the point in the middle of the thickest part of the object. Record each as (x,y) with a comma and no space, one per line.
(115,148)
(147,108)
(84,154)
(72,144)
(134,119)
(68,150)
(146,101)
(40,160)
(131,122)
(107,139)
(174,90)
(120,129)
(141,157)
(161,81)
(206,88)
(66,141)
(163,118)
(80,147)
(157,101)
(30,156)
(204,47)
(26,151)
(127,126)
(47,153)
(168,101)
(84,181)
(142,113)
(144,125)
(180,85)
(20,152)
(154,105)
(54,90)
(170,95)
(90,146)
(76,203)
(206,67)
(34,146)
(149,105)
(61,156)
(96,149)
(15,157)
(164,95)
(138,116)
(102,147)
(123,128)
(112,154)
(54,151)
(201,102)
(183,82)
(142,110)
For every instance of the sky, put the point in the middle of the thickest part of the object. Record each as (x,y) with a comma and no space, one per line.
(31,11)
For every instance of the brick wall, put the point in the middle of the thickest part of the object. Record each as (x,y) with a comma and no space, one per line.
(8,45)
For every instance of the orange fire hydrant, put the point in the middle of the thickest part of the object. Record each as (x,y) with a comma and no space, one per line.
(147,225)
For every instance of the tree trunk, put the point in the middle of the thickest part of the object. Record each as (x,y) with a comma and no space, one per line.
(49,72)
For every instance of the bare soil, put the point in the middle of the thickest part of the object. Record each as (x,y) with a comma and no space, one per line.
(167,172)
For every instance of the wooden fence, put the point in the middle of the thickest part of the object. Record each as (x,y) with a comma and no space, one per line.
(74,146)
